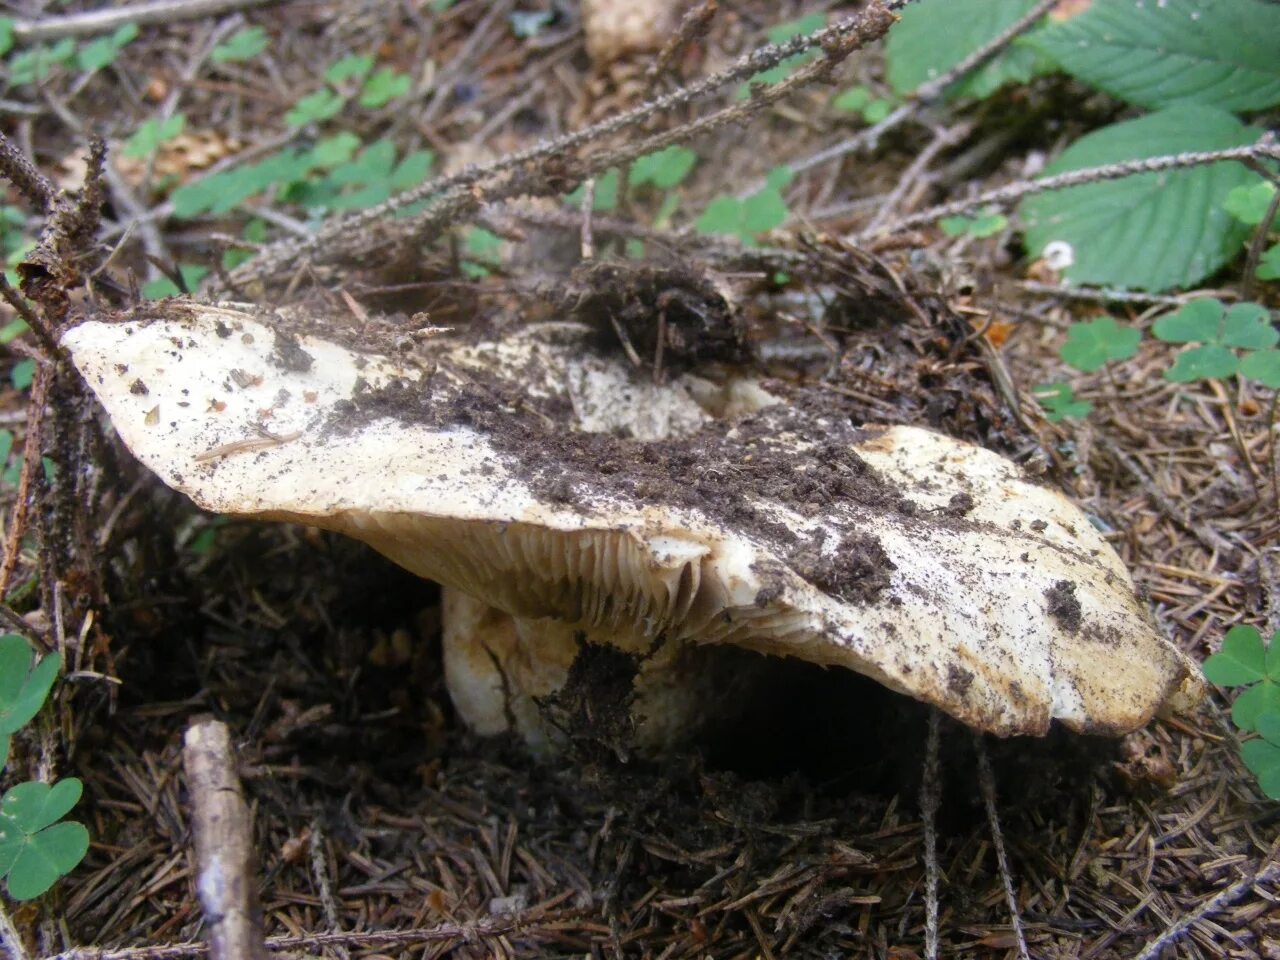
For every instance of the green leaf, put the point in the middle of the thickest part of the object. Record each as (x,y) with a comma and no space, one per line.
(723,215)
(482,244)
(1242,659)
(314,107)
(34,861)
(1091,345)
(1150,231)
(331,151)
(412,170)
(1059,402)
(665,169)
(383,87)
(23,372)
(1263,366)
(852,100)
(242,45)
(933,36)
(877,110)
(1269,727)
(781,33)
(35,65)
(606,192)
(1248,327)
(349,66)
(103,51)
(1197,322)
(23,688)
(1210,362)
(763,211)
(1269,264)
(6,41)
(1263,760)
(1219,53)
(1263,697)
(153,132)
(191,274)
(1249,204)
(33,806)
(986,225)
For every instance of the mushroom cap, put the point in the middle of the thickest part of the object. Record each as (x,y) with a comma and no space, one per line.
(721,517)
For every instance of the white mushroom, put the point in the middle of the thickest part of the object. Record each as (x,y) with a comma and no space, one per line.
(571,506)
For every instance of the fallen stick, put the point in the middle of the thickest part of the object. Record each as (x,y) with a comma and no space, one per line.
(225,870)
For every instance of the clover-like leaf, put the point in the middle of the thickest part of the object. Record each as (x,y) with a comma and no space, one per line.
(1242,659)
(1059,402)
(1090,346)
(348,67)
(1210,362)
(244,44)
(1262,698)
(1269,264)
(1196,322)
(35,849)
(24,684)
(1262,366)
(384,86)
(148,138)
(665,169)
(315,107)
(1249,204)
(1248,326)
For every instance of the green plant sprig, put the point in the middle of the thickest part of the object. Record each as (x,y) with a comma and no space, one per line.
(1246,661)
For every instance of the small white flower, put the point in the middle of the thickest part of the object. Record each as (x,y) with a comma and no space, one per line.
(1059,254)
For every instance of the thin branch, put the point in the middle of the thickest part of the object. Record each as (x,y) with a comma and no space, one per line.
(1265,148)
(34,186)
(1219,901)
(1110,295)
(987,785)
(693,26)
(930,800)
(923,96)
(110,18)
(943,139)
(278,258)
(466,932)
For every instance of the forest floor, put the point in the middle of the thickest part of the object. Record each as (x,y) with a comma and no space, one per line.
(383,828)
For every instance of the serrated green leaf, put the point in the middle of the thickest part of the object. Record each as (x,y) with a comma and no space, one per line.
(1269,264)
(1091,345)
(1151,231)
(242,45)
(352,65)
(1210,362)
(1263,760)
(1262,697)
(1249,204)
(23,687)
(46,856)
(1219,53)
(665,169)
(1263,366)
(1248,327)
(932,36)
(1196,322)
(154,132)
(315,107)
(1242,659)
(384,86)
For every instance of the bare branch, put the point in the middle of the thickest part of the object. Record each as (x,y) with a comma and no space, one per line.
(110,18)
